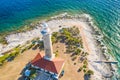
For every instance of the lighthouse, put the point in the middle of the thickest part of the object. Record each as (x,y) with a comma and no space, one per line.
(47,65)
(47,42)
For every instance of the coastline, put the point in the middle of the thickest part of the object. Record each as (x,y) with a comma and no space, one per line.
(16,39)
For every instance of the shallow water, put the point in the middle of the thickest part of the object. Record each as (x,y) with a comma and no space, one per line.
(106,14)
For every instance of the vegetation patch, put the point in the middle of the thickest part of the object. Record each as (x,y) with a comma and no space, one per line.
(73,41)
(56,53)
(71,37)
(89,72)
(9,56)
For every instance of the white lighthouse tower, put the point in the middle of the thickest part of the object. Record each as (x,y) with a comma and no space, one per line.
(47,63)
(47,42)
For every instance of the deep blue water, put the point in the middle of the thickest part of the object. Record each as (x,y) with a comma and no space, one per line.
(16,13)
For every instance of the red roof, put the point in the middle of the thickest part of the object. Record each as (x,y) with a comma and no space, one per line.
(54,66)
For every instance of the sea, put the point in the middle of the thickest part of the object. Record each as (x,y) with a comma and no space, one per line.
(15,14)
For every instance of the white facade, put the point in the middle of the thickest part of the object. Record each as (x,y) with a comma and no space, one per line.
(48,46)
(47,42)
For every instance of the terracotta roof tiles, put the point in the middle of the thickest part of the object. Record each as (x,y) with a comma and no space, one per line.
(54,66)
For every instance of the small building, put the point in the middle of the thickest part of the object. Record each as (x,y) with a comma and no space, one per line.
(51,68)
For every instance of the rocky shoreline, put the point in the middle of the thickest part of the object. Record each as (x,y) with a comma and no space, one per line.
(16,39)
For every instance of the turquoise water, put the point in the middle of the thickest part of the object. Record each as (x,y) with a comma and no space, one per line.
(16,13)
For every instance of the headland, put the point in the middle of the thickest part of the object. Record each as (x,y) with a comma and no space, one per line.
(91,38)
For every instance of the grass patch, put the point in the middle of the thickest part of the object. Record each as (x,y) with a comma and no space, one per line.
(13,53)
(3,58)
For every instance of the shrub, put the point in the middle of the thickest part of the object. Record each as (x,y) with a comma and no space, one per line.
(56,53)
(86,53)
(75,57)
(70,48)
(84,70)
(30,46)
(15,53)
(80,69)
(77,51)
(55,34)
(89,72)
(54,37)
(84,66)
(23,50)
(3,58)
(74,63)
(54,40)
(85,62)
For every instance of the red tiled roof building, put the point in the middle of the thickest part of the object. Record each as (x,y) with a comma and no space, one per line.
(54,65)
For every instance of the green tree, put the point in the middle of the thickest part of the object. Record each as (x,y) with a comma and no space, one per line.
(89,72)
(77,51)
